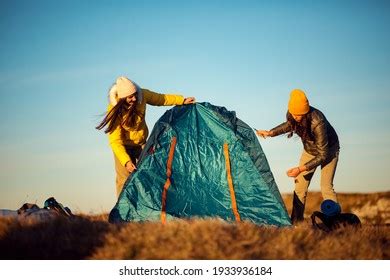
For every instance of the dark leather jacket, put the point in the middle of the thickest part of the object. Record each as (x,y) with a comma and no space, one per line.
(325,144)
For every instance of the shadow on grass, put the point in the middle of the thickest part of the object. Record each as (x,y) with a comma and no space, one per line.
(58,239)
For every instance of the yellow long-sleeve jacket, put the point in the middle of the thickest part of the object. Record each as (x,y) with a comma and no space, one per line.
(137,135)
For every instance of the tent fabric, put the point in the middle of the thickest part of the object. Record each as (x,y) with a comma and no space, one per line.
(201,161)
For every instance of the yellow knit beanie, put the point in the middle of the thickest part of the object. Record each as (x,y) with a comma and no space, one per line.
(298,104)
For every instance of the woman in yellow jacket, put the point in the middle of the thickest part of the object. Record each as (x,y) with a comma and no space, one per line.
(126,126)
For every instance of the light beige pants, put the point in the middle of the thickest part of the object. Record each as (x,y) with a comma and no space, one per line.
(121,172)
(328,170)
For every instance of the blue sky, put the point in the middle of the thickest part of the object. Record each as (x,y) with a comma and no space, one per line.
(58,59)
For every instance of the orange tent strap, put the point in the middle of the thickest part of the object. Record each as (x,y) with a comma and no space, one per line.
(168,181)
(230,182)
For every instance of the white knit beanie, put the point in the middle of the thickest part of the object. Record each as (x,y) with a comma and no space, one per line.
(122,88)
(125,87)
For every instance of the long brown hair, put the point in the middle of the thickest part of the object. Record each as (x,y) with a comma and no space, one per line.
(302,128)
(121,114)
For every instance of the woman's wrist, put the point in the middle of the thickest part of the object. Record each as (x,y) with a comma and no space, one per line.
(302,168)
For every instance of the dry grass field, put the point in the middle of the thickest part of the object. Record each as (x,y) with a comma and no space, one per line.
(92,237)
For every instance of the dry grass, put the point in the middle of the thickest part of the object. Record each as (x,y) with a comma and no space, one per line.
(91,237)
(210,239)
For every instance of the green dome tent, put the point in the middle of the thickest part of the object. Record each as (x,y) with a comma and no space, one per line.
(201,161)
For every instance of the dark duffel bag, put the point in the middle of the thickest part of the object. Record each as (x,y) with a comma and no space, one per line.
(329,223)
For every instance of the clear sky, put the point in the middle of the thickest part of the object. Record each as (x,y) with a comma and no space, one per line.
(59,58)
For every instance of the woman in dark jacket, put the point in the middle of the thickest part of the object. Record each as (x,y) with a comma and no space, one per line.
(320,148)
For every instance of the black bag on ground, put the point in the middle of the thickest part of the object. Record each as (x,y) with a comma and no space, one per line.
(329,223)
(52,209)
(52,204)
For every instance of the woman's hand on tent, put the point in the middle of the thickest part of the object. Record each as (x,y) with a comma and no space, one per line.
(189,100)
(130,167)
(294,172)
(263,133)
